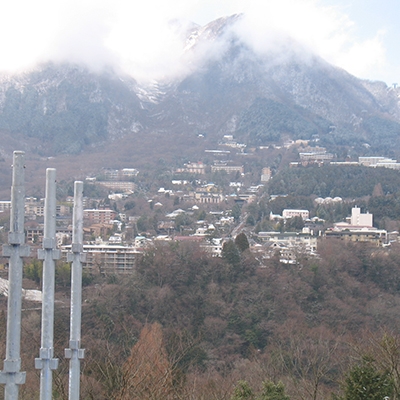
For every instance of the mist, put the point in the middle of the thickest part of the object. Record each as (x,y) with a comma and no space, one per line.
(149,42)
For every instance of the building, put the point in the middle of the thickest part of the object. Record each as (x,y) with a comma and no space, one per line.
(34,207)
(120,186)
(120,174)
(358,229)
(359,219)
(94,216)
(108,259)
(208,198)
(304,240)
(378,237)
(128,173)
(5,205)
(214,247)
(228,168)
(372,161)
(288,213)
(194,168)
(316,156)
(34,234)
(266,174)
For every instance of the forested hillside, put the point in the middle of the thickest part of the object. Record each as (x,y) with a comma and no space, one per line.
(213,323)
(331,180)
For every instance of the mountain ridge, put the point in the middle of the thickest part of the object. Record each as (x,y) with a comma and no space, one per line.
(231,89)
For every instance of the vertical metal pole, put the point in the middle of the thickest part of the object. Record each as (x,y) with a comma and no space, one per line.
(16,249)
(46,363)
(74,353)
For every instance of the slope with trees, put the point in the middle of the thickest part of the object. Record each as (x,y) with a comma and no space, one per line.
(212,322)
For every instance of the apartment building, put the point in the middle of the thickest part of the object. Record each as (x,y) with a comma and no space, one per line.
(289,213)
(95,216)
(107,258)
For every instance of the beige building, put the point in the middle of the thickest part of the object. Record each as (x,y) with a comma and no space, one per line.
(208,198)
(316,156)
(265,174)
(94,216)
(122,186)
(193,168)
(227,168)
(108,259)
(375,236)
(34,206)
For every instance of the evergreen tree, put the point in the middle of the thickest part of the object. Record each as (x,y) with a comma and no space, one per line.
(231,253)
(272,391)
(34,271)
(241,242)
(242,391)
(366,382)
(236,212)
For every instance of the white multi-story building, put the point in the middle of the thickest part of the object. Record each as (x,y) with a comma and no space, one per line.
(5,205)
(359,219)
(379,162)
(288,213)
(359,228)
(304,240)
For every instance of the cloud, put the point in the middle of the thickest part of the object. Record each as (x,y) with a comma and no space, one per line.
(324,30)
(140,39)
(364,59)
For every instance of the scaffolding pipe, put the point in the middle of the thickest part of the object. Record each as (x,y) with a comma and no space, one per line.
(11,375)
(46,361)
(77,256)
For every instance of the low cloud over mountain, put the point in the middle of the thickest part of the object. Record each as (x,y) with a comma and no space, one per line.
(225,86)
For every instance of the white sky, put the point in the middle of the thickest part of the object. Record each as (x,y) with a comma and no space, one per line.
(361,36)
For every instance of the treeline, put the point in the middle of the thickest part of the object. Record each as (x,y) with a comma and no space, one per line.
(210,323)
(332,180)
(266,121)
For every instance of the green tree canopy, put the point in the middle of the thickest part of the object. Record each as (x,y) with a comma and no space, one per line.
(242,391)
(272,391)
(366,382)
(241,242)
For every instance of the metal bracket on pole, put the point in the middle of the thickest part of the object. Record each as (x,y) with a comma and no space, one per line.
(55,254)
(8,250)
(74,347)
(11,374)
(46,356)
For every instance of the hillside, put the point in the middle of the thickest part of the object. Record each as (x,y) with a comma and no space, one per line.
(225,320)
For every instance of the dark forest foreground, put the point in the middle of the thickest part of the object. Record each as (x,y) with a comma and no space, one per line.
(190,326)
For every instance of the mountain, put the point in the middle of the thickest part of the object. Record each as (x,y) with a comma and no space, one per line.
(228,88)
